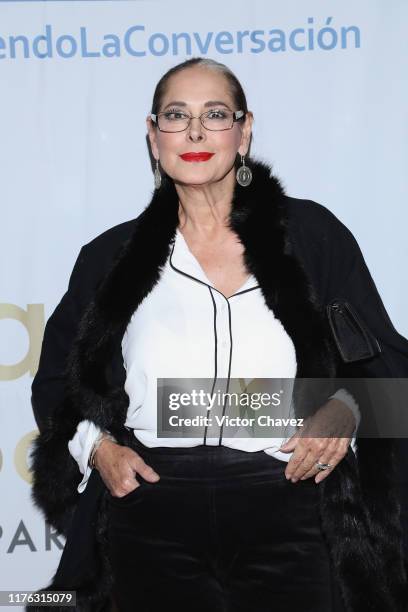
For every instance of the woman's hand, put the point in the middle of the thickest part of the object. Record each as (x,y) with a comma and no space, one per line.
(118,465)
(325,437)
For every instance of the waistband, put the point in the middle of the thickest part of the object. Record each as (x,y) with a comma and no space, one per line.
(200,449)
(219,465)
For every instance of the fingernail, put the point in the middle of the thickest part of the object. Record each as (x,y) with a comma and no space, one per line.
(294,479)
(155,476)
(288,476)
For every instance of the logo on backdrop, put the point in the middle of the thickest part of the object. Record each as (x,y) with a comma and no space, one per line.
(33,321)
(16,534)
(138,42)
(19,538)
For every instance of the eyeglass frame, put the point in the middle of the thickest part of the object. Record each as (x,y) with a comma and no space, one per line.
(236,116)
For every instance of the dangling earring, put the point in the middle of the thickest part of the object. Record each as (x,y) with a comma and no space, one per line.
(157,176)
(244,174)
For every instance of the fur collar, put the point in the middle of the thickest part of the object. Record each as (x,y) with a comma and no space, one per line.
(259,216)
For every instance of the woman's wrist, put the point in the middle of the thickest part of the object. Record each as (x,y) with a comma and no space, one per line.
(104,435)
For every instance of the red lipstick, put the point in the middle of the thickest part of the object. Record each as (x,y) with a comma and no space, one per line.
(196,157)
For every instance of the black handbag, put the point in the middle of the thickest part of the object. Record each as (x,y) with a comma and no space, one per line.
(353,338)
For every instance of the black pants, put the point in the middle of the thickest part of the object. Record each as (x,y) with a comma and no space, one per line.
(222,531)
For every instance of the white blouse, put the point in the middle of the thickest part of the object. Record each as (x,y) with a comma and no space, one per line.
(185,328)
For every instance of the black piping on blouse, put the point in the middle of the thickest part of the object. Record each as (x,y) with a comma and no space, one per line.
(211,289)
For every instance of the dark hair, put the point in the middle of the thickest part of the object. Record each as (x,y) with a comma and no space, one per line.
(235,86)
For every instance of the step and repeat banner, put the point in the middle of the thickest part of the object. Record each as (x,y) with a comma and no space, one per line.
(326,82)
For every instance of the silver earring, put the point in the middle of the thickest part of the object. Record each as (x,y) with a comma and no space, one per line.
(244,174)
(157,176)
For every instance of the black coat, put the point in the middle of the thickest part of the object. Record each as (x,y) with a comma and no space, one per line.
(304,259)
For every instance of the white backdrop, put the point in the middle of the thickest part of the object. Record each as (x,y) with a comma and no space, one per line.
(326,81)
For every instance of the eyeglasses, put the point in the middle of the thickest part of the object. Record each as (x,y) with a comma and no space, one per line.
(213,120)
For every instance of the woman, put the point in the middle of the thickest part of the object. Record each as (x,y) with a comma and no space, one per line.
(221,276)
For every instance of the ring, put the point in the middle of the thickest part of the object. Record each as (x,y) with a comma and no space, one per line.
(323,466)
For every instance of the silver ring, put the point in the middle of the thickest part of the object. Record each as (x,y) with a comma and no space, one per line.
(323,466)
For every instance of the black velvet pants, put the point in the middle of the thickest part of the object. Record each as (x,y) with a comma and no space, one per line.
(222,531)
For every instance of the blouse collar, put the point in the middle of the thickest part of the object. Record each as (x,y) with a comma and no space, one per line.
(183,261)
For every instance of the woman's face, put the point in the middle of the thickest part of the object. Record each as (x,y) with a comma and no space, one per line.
(195,88)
